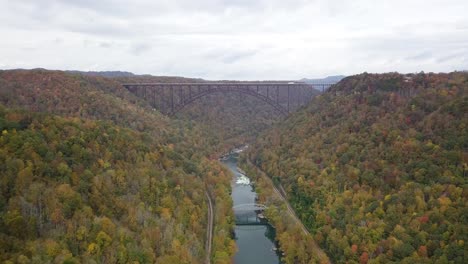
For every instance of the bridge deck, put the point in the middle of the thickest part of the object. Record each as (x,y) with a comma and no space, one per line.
(229,83)
(251,223)
(226,83)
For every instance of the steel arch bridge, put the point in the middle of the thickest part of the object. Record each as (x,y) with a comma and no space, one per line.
(249,207)
(170,98)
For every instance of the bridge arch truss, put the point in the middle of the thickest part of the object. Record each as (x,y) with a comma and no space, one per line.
(170,98)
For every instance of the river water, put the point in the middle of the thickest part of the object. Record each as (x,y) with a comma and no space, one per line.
(254,242)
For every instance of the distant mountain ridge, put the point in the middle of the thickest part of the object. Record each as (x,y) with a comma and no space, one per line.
(109,74)
(329,79)
(116,74)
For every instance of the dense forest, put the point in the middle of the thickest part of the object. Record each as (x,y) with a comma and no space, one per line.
(90,173)
(90,190)
(376,167)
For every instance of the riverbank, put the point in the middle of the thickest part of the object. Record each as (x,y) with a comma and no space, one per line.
(294,239)
(219,206)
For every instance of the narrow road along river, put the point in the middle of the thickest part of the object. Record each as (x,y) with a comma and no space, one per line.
(254,242)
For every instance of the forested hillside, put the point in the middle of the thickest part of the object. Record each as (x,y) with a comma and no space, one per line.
(230,119)
(377,167)
(91,190)
(90,173)
(99,98)
(69,94)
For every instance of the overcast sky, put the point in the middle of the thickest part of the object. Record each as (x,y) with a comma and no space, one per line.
(235,39)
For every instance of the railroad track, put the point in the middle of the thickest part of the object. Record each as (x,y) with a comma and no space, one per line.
(209,229)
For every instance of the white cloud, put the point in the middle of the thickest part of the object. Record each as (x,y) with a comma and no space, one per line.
(236,39)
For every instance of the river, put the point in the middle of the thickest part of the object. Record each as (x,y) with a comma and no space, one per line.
(255,243)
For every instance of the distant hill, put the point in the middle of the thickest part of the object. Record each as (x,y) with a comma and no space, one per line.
(329,79)
(110,74)
(124,77)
